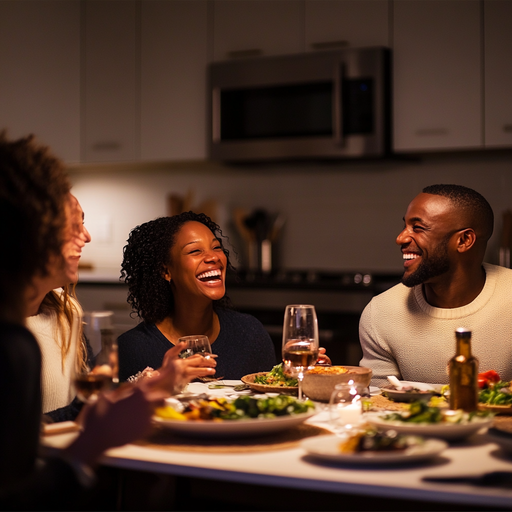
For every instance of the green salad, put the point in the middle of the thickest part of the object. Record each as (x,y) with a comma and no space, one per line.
(498,393)
(421,412)
(276,377)
(242,408)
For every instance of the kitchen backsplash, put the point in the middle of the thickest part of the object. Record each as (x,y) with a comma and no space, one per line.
(338,216)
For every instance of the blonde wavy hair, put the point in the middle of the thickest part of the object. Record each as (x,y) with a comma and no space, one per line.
(66,310)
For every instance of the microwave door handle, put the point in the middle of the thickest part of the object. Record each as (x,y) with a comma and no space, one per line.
(337,94)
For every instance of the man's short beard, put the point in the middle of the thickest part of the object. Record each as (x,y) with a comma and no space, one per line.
(436,265)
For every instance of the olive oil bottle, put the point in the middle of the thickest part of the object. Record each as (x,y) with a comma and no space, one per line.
(463,369)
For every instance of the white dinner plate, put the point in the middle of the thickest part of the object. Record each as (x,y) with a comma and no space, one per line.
(448,431)
(233,428)
(327,448)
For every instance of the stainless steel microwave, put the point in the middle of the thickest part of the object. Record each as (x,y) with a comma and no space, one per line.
(333,104)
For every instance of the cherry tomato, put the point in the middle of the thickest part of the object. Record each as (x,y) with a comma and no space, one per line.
(488,377)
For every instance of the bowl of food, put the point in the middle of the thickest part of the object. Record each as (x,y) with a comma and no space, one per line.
(319,382)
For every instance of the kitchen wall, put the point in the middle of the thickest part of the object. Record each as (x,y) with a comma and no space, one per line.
(339,216)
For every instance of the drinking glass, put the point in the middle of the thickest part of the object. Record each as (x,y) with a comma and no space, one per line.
(300,340)
(195,344)
(103,368)
(347,405)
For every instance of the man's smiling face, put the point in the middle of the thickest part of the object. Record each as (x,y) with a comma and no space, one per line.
(430,223)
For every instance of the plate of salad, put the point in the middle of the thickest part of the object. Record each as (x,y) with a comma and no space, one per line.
(275,381)
(494,395)
(241,417)
(424,420)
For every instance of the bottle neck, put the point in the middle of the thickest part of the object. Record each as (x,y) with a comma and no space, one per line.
(464,347)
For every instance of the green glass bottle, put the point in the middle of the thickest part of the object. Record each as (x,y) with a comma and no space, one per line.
(463,369)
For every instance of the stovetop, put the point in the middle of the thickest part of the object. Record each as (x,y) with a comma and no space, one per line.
(312,279)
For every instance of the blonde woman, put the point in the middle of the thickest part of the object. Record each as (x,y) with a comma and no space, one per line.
(56,322)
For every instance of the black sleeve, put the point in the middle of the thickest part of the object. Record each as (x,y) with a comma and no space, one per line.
(66,413)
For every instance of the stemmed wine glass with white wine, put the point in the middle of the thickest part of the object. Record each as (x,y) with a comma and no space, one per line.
(300,340)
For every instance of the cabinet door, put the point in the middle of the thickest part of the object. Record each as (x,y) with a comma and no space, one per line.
(437,85)
(174,58)
(498,72)
(111,81)
(40,72)
(332,24)
(257,27)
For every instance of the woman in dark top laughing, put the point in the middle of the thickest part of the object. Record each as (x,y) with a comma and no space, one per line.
(175,268)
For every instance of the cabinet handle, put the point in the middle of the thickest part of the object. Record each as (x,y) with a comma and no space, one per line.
(428,132)
(242,54)
(507,128)
(106,146)
(328,45)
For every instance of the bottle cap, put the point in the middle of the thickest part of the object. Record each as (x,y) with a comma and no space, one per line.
(462,332)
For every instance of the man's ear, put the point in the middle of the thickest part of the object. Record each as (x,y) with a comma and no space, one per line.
(466,240)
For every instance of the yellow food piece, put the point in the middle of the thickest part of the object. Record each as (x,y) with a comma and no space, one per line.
(169,413)
(350,444)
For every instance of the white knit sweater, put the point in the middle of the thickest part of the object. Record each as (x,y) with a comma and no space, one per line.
(56,383)
(402,335)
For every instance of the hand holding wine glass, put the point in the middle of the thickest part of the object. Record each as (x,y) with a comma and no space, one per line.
(300,340)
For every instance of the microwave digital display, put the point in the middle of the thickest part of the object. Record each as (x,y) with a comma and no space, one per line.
(278,111)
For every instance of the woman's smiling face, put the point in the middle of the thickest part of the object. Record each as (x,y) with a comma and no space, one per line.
(197,265)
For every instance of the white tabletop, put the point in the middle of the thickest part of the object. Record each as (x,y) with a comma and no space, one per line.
(294,469)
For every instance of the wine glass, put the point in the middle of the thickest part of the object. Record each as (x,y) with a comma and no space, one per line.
(102,372)
(347,405)
(300,340)
(195,344)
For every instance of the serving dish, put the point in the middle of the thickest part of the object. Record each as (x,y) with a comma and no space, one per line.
(233,428)
(327,448)
(445,430)
(265,388)
(498,409)
(399,395)
(319,386)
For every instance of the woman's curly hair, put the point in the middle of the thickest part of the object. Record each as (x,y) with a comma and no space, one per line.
(34,190)
(145,257)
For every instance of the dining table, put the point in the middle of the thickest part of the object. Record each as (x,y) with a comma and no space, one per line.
(280,462)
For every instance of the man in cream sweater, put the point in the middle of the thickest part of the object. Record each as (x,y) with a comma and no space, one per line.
(409,330)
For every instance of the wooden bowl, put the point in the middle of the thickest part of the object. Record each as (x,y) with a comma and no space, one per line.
(319,386)
(265,388)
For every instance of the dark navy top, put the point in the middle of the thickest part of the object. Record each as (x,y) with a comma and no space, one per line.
(243,346)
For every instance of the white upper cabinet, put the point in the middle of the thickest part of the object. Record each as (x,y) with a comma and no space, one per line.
(111,82)
(248,28)
(334,24)
(174,58)
(437,74)
(498,72)
(40,72)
